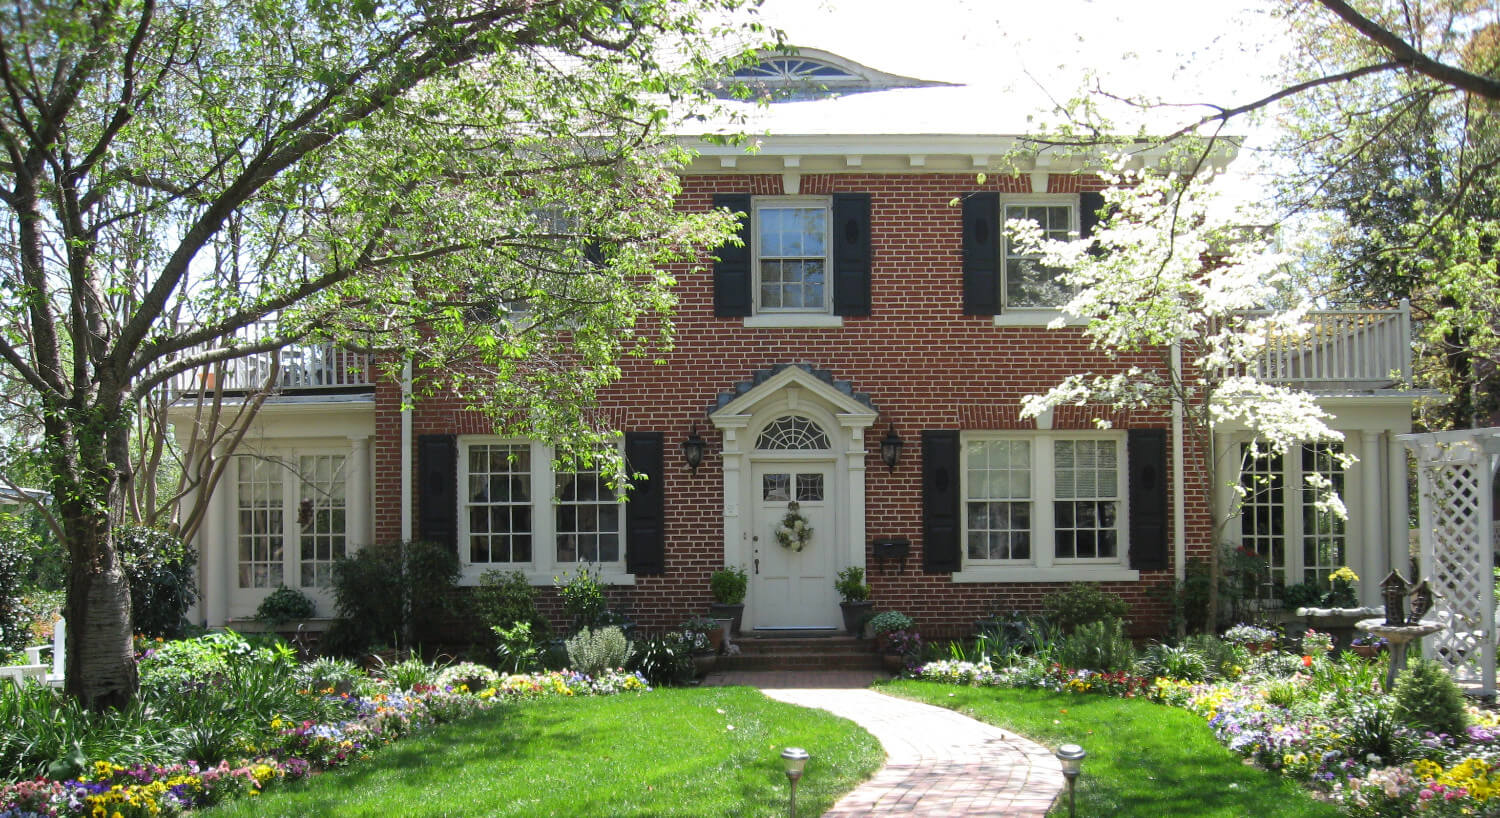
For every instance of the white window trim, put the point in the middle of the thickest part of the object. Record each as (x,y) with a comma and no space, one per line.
(1043,565)
(544,567)
(793,320)
(1012,316)
(784,318)
(1036,317)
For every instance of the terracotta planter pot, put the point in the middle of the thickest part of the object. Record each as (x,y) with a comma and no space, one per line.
(1368,651)
(893,662)
(1260,647)
(715,639)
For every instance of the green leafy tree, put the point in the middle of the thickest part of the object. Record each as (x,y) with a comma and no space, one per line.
(485,181)
(1404,155)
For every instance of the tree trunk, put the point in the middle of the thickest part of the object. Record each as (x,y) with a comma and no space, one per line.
(100,663)
(100,666)
(90,489)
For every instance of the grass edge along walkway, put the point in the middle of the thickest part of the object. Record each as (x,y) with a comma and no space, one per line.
(673,751)
(1144,759)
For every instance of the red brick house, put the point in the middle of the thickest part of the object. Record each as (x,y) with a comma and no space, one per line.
(865,306)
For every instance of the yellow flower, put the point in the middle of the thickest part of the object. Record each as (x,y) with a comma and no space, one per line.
(1344,573)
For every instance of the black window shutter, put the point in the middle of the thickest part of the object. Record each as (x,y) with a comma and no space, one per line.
(981,212)
(644,511)
(1089,205)
(1146,449)
(732,270)
(940,502)
(593,253)
(437,489)
(851,253)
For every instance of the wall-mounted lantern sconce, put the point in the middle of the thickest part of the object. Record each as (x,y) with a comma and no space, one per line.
(692,450)
(890,448)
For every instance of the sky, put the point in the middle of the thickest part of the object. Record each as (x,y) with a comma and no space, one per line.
(1030,56)
(1184,51)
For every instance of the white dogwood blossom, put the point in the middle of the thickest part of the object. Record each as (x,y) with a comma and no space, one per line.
(1168,268)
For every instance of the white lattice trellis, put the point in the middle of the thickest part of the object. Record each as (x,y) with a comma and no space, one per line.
(1455,476)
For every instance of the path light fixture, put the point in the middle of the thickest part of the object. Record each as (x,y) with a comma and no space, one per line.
(794,759)
(1071,756)
(890,448)
(692,450)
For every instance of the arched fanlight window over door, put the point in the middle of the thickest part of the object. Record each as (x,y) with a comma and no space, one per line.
(792,433)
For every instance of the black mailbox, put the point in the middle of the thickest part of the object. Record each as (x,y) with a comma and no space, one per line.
(889,548)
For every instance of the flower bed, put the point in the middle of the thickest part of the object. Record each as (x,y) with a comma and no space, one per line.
(1322,721)
(289,749)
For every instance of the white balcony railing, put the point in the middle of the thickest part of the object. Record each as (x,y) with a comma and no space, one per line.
(1364,348)
(301,367)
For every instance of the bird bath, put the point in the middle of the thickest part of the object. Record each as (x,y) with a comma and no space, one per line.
(1399,636)
(1339,622)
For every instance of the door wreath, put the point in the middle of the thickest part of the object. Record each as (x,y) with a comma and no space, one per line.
(793,532)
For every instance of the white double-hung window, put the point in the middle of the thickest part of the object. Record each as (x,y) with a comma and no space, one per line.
(1044,501)
(792,255)
(519,512)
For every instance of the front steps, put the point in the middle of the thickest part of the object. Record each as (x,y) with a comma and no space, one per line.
(806,650)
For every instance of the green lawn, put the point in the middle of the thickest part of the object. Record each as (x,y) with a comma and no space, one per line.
(1144,759)
(669,752)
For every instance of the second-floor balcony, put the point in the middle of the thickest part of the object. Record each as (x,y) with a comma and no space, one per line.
(1342,350)
(295,368)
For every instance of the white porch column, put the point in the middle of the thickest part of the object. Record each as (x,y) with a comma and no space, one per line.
(357,493)
(218,548)
(1227,476)
(195,612)
(1399,530)
(1372,522)
(854,505)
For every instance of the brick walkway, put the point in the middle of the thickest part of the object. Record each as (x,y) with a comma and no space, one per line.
(937,761)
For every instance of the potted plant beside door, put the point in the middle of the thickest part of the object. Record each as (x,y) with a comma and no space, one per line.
(728,585)
(856,597)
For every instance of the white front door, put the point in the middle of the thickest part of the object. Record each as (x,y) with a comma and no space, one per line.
(791,588)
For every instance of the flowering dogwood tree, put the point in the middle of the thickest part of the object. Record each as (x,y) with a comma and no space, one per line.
(1171,272)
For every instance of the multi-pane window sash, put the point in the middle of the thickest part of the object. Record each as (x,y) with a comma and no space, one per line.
(1027,282)
(588,518)
(499,503)
(792,257)
(1086,480)
(323,532)
(998,500)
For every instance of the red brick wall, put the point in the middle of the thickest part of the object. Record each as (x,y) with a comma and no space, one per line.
(924,364)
